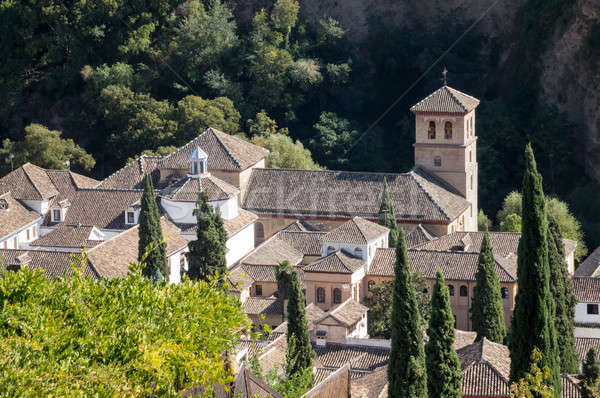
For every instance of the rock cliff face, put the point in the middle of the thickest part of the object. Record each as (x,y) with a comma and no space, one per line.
(568,79)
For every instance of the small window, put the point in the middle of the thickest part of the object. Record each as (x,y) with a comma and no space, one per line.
(463,291)
(337,296)
(202,167)
(431,131)
(34,232)
(504,292)
(258,290)
(194,168)
(5,244)
(471,182)
(470,157)
(370,285)
(437,161)
(56,215)
(448,130)
(320,295)
(454,320)
(358,252)
(592,309)
(451,289)
(27,234)
(130,217)
(330,250)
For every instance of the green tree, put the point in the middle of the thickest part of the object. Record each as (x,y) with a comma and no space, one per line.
(285,153)
(269,71)
(206,257)
(300,353)
(590,377)
(306,73)
(407,375)
(151,246)
(284,17)
(536,382)
(512,223)
(483,221)
(120,73)
(46,149)
(120,337)
(444,376)
(332,141)
(387,215)
(194,115)
(561,288)
(487,311)
(263,126)
(534,307)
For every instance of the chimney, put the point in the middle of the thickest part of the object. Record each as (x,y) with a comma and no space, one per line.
(321,338)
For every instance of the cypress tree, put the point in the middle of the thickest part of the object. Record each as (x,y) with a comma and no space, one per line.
(533,317)
(206,257)
(387,215)
(444,376)
(150,236)
(297,332)
(561,288)
(487,312)
(590,377)
(407,375)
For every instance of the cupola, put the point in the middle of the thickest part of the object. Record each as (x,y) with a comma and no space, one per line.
(198,162)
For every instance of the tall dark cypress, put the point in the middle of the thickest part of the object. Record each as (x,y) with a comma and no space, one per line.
(150,236)
(297,322)
(444,377)
(206,257)
(387,215)
(487,311)
(561,288)
(407,375)
(590,377)
(533,318)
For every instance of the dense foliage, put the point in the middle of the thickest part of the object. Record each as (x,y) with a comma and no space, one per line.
(387,215)
(561,288)
(590,375)
(407,374)
(112,74)
(487,310)
(152,248)
(534,304)
(123,337)
(206,258)
(444,376)
(536,382)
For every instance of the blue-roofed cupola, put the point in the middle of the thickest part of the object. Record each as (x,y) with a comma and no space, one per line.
(198,162)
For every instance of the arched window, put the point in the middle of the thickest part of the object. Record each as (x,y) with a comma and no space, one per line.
(330,250)
(320,295)
(337,296)
(504,292)
(370,285)
(451,289)
(448,130)
(463,291)
(431,131)
(437,161)
(358,252)
(259,234)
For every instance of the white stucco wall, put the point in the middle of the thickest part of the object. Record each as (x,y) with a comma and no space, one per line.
(239,245)
(587,332)
(176,265)
(361,330)
(40,206)
(581,315)
(183,212)
(8,241)
(368,250)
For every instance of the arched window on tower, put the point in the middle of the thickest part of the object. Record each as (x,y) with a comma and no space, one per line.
(451,290)
(337,296)
(437,161)
(463,291)
(320,295)
(448,130)
(259,235)
(431,132)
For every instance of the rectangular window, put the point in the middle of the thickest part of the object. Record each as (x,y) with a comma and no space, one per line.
(504,292)
(28,234)
(258,290)
(55,215)
(5,244)
(592,309)
(130,217)
(33,232)
(15,243)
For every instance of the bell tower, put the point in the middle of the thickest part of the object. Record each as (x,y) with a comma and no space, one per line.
(446,144)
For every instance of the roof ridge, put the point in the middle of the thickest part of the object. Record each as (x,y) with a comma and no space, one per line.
(213,131)
(332,171)
(458,102)
(359,228)
(183,146)
(428,194)
(115,173)
(452,90)
(33,182)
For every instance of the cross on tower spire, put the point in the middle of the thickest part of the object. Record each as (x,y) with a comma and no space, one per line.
(444,73)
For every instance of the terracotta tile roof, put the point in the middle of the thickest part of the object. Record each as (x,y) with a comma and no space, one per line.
(590,266)
(460,266)
(74,236)
(418,236)
(338,262)
(308,243)
(365,358)
(112,257)
(371,385)
(272,252)
(273,355)
(239,279)
(335,384)
(266,273)
(232,226)
(187,189)
(225,152)
(356,231)
(14,216)
(586,289)
(463,338)
(247,385)
(446,100)
(29,182)
(570,387)
(103,208)
(304,226)
(66,181)
(263,305)
(583,345)
(131,176)
(82,181)
(53,263)
(486,369)
(503,243)
(348,313)
(417,196)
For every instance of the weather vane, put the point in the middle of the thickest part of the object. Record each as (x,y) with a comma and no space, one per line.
(444,73)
